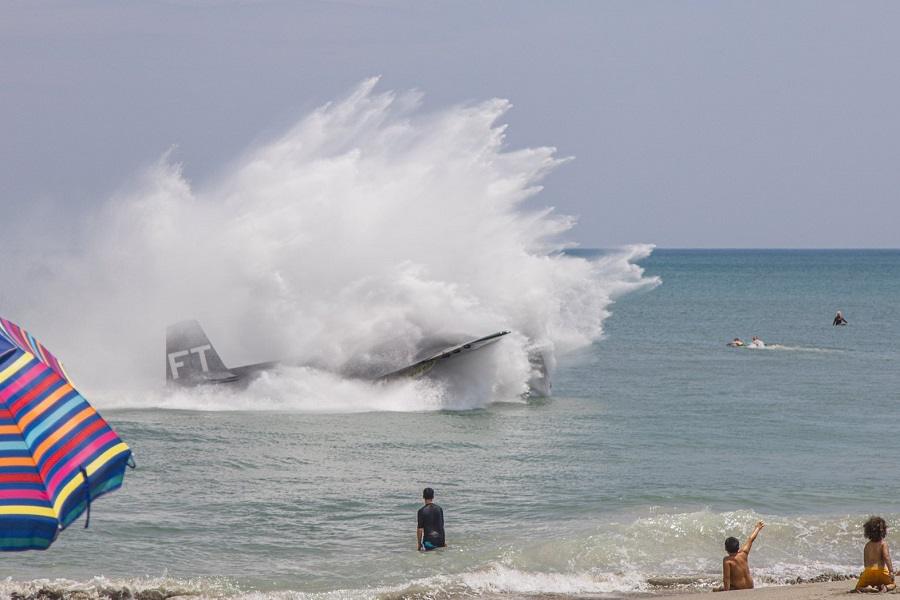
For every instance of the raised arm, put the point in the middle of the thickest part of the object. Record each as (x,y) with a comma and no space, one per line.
(756,530)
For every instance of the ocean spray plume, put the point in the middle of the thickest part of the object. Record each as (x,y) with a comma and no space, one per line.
(369,225)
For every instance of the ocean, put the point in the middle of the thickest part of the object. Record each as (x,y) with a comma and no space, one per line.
(657,443)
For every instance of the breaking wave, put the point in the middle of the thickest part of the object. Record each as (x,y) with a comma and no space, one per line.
(367,227)
(137,588)
(659,552)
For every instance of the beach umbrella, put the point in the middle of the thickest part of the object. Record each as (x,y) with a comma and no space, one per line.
(57,454)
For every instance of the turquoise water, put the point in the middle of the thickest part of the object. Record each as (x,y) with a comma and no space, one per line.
(658,442)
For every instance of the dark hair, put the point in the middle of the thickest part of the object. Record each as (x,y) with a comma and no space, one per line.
(875,528)
(428,494)
(732,545)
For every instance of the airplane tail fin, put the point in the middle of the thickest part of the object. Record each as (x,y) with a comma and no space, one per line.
(191,358)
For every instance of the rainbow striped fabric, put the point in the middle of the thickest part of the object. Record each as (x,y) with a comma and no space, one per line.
(56,452)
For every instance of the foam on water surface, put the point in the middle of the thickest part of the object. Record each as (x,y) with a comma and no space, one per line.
(657,553)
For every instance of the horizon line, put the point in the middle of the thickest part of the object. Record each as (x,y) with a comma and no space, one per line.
(778,248)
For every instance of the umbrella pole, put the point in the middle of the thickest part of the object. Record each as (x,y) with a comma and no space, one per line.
(87,485)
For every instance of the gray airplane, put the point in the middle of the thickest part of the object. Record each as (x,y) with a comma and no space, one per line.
(191,360)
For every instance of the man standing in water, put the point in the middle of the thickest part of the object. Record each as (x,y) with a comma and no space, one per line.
(430,531)
(735,568)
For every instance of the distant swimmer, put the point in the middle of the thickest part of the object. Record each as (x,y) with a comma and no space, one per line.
(839,320)
(736,343)
(430,531)
(756,342)
(878,575)
(735,566)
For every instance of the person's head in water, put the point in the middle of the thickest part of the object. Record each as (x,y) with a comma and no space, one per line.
(875,529)
(732,545)
(428,495)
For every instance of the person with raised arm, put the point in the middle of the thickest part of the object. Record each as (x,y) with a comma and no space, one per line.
(735,566)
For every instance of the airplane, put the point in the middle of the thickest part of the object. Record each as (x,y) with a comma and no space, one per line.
(192,361)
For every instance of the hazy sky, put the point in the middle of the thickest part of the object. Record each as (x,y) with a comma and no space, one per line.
(693,124)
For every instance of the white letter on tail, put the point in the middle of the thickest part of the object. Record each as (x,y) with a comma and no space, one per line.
(174,364)
(201,352)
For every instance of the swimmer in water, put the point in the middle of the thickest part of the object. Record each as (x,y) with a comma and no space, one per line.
(838,320)
(736,343)
(756,342)
(430,530)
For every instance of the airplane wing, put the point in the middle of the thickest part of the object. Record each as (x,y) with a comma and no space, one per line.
(423,366)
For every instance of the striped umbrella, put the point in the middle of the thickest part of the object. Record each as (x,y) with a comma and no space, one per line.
(57,454)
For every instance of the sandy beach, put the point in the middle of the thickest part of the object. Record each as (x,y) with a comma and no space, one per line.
(804,591)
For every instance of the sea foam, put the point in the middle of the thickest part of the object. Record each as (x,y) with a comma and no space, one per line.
(657,552)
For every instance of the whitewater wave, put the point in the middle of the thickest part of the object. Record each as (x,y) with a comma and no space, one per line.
(366,228)
(102,588)
(658,552)
(495,582)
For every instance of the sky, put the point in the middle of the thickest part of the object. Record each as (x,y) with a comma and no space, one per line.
(692,124)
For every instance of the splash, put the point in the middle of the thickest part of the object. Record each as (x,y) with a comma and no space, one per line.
(366,228)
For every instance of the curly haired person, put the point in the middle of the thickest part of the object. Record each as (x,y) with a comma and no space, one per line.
(878,575)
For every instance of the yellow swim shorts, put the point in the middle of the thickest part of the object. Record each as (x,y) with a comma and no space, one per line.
(874,576)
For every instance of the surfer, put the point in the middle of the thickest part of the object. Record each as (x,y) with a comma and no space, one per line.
(430,531)
(735,568)
(756,342)
(878,575)
(736,343)
(838,320)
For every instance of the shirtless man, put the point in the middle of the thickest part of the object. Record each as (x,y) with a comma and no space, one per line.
(735,568)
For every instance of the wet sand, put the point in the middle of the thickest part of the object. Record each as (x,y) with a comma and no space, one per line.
(804,591)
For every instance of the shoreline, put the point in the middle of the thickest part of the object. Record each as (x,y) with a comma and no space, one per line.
(160,589)
(800,591)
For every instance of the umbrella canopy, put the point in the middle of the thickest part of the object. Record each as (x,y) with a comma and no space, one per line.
(57,453)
